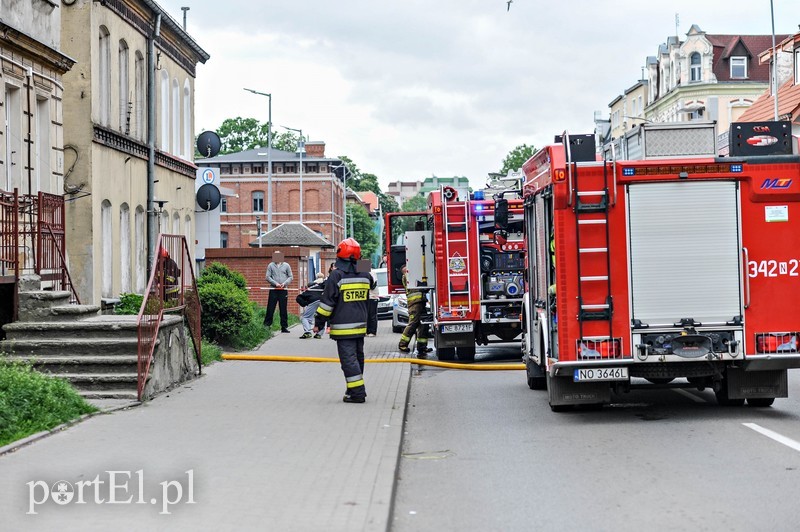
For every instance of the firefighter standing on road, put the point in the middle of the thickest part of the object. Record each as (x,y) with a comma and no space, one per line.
(343,305)
(415,298)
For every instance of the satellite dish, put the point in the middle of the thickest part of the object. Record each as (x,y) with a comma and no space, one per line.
(208,197)
(208,144)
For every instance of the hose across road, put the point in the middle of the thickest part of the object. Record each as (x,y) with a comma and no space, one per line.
(402,360)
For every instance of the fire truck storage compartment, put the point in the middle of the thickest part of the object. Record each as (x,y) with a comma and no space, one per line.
(684,252)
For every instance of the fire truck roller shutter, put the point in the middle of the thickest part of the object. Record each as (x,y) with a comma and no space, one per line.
(684,251)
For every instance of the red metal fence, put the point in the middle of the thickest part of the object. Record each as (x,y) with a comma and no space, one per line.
(172,288)
(32,240)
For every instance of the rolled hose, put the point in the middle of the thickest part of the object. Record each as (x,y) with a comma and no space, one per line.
(418,361)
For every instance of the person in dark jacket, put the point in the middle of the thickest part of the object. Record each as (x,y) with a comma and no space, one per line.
(309,300)
(343,305)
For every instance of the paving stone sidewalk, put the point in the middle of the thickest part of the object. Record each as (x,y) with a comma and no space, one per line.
(270,446)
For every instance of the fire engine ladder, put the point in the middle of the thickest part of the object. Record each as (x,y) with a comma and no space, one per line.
(456,232)
(591,211)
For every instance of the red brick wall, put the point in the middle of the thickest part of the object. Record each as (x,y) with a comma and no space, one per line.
(241,228)
(253,262)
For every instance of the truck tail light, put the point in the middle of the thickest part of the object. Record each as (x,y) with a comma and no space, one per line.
(599,348)
(777,342)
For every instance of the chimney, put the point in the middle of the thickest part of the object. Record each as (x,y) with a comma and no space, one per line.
(315,148)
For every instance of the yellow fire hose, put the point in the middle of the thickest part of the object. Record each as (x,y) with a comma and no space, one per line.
(421,362)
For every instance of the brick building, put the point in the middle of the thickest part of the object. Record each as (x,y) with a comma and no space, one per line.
(245,175)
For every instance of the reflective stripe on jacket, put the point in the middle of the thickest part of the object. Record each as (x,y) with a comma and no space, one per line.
(343,303)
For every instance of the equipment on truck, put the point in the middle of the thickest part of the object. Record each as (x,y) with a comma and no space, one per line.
(663,270)
(470,250)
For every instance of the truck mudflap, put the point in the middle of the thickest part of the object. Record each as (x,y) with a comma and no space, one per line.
(757,384)
(562,391)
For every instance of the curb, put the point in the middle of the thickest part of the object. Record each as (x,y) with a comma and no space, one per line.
(390,520)
(15,445)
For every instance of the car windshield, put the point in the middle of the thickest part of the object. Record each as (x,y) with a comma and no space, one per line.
(381,278)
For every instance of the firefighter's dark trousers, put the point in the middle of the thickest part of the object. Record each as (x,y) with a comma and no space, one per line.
(351,357)
(415,312)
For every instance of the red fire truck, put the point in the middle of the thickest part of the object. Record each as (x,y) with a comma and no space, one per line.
(472,268)
(669,266)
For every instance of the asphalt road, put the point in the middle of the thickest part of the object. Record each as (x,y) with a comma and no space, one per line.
(483,452)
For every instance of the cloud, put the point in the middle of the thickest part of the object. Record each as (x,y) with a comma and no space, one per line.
(412,88)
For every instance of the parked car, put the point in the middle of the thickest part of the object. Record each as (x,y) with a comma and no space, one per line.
(399,313)
(385,301)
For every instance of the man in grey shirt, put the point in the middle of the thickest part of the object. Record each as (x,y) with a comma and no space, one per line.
(279,277)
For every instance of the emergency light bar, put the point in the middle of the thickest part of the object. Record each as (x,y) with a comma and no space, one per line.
(630,171)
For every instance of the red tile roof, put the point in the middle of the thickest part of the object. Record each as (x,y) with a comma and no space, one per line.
(764,106)
(751,45)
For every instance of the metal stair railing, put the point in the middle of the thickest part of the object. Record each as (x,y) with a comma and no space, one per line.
(172,288)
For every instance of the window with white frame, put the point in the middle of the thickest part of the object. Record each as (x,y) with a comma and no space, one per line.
(258,201)
(141,249)
(104,78)
(124,96)
(641,104)
(738,67)
(125,248)
(695,67)
(139,84)
(223,206)
(797,67)
(107,247)
(223,239)
(187,121)
(164,140)
(43,146)
(176,119)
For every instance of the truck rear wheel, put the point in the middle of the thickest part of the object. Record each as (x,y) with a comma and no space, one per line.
(466,354)
(760,402)
(536,377)
(446,353)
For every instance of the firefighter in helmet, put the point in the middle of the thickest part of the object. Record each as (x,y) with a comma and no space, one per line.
(343,305)
(415,298)
(172,274)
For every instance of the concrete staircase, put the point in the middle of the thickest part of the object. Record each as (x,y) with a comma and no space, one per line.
(97,354)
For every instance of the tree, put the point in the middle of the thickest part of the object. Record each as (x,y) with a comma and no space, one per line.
(367,182)
(516,158)
(363,229)
(239,134)
(388,203)
(417,203)
(286,141)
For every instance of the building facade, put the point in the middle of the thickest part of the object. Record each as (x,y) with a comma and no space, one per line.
(245,177)
(108,99)
(706,77)
(403,190)
(788,60)
(33,66)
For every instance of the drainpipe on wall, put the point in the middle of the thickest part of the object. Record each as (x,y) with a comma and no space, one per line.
(151,144)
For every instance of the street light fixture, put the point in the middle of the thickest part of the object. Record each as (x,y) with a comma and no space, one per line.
(301,148)
(269,158)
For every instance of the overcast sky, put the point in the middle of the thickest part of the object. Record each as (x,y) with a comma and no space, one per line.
(413,88)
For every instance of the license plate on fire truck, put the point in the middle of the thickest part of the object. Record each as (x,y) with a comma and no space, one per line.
(457,328)
(600,374)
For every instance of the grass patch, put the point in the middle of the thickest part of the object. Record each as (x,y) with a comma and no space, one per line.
(210,352)
(31,402)
(254,333)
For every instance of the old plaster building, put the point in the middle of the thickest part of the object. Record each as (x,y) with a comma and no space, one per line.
(707,77)
(31,151)
(108,97)
(245,176)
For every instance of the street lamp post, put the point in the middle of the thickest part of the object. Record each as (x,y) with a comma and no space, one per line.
(301,148)
(258,229)
(269,158)
(343,165)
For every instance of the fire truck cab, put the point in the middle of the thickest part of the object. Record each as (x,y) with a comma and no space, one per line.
(468,251)
(670,267)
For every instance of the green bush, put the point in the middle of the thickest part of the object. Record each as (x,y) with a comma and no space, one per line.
(31,402)
(210,353)
(129,304)
(217,269)
(226,310)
